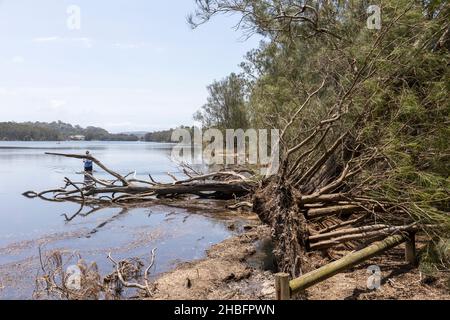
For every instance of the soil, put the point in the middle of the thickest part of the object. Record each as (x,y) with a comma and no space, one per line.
(228,272)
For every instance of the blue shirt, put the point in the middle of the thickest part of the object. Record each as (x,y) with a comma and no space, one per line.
(88,163)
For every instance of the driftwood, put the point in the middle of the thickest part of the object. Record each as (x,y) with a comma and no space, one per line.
(122,190)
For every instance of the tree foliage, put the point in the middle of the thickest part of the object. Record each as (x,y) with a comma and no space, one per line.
(164,135)
(225,107)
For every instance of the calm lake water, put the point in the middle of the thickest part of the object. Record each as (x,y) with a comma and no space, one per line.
(29,224)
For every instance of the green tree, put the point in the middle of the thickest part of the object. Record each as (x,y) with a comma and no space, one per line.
(226,105)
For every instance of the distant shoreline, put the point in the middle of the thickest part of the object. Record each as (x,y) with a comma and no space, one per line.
(59,131)
(85,141)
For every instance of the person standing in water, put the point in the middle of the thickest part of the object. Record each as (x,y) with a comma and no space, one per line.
(88,165)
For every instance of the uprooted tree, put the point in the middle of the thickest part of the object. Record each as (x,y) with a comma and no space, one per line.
(363,113)
(364,121)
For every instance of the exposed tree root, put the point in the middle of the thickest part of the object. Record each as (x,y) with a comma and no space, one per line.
(277,208)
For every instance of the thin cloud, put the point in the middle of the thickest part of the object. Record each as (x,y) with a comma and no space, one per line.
(84,41)
(46,39)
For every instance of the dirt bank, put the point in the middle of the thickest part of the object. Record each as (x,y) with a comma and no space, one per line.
(228,272)
(399,281)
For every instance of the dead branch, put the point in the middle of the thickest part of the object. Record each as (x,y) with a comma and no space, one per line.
(323,236)
(220,185)
(96,161)
(344,224)
(83,200)
(122,264)
(240,205)
(361,236)
(334,210)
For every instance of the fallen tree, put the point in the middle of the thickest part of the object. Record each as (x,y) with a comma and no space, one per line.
(125,190)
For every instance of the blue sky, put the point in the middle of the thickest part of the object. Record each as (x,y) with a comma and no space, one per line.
(133,65)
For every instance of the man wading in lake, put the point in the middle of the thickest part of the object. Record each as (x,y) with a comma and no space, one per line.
(88,166)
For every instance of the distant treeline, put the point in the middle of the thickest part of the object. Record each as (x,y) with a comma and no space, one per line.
(56,131)
(162,136)
(159,136)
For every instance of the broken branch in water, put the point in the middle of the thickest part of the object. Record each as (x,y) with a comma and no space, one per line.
(94,191)
(83,200)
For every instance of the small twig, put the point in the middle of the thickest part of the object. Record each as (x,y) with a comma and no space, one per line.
(172,176)
(82,203)
(240,205)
